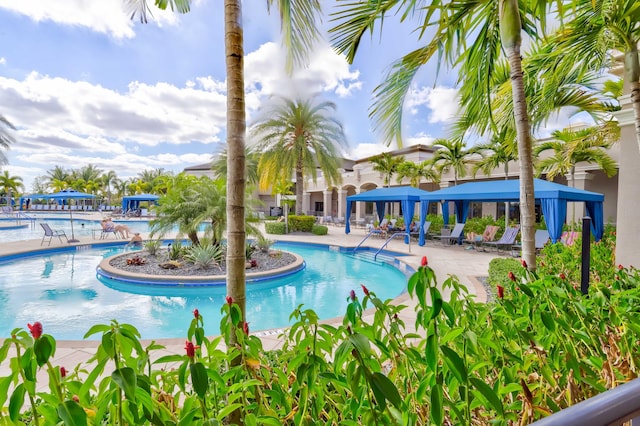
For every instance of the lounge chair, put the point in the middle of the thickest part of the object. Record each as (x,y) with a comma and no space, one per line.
(507,240)
(416,233)
(453,237)
(488,235)
(541,239)
(48,232)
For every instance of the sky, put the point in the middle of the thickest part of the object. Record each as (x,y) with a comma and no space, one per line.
(84,84)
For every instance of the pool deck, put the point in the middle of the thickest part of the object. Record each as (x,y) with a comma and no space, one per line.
(467,265)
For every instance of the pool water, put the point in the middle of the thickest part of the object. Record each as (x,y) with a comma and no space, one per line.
(61,291)
(81,227)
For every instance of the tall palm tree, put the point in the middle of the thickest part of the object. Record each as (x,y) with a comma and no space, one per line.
(591,31)
(415,172)
(570,147)
(452,156)
(219,165)
(6,137)
(10,184)
(494,154)
(109,180)
(386,164)
(298,18)
(298,136)
(58,173)
(470,35)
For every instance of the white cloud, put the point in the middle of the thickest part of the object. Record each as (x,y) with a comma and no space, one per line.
(364,150)
(327,72)
(420,139)
(441,101)
(3,61)
(108,17)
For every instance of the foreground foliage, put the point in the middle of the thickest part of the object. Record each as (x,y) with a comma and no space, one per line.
(540,347)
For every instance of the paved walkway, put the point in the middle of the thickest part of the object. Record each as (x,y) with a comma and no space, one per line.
(445,260)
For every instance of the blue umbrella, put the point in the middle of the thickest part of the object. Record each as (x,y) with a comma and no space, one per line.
(70,194)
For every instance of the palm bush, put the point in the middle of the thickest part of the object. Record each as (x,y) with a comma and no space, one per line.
(152,246)
(204,256)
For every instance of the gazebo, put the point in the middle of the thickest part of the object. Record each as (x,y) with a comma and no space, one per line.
(133,201)
(553,198)
(407,196)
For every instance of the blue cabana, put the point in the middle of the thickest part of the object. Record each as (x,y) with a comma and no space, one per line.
(553,198)
(132,202)
(407,196)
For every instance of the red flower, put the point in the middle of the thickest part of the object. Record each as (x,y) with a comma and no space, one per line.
(500,291)
(245,328)
(191,350)
(63,372)
(512,277)
(524,263)
(196,313)
(229,300)
(366,290)
(35,329)
(76,398)
(563,276)
(424,261)
(352,295)
(620,267)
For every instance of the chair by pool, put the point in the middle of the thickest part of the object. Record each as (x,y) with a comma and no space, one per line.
(48,232)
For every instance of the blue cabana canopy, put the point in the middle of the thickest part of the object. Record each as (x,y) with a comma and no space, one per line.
(553,198)
(407,196)
(133,201)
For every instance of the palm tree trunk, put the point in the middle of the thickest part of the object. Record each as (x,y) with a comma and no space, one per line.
(299,188)
(506,204)
(236,127)
(511,36)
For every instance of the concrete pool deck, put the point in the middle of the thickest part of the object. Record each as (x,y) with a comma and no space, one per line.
(467,265)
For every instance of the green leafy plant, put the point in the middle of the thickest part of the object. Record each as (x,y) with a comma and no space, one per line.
(278,228)
(262,243)
(176,250)
(319,230)
(152,246)
(301,223)
(205,256)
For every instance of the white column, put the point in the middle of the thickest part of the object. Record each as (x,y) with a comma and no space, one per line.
(342,203)
(628,219)
(359,206)
(576,210)
(306,203)
(326,202)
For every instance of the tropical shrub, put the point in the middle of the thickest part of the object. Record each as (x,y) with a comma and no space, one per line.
(540,347)
(319,230)
(301,223)
(262,243)
(499,269)
(152,246)
(205,256)
(176,250)
(275,228)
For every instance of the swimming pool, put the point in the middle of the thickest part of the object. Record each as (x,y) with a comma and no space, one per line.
(81,227)
(60,289)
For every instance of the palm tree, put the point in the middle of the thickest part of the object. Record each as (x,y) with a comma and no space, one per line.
(415,172)
(386,164)
(592,30)
(10,184)
(58,173)
(190,202)
(219,165)
(470,35)
(452,156)
(300,33)
(298,136)
(6,138)
(499,152)
(571,147)
(109,180)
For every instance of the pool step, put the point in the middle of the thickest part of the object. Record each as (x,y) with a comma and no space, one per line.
(368,256)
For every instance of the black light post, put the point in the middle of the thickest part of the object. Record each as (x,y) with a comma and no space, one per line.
(586,254)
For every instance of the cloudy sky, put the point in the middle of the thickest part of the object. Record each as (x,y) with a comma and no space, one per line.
(85,85)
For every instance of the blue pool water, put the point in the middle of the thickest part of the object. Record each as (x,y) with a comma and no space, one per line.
(61,291)
(81,227)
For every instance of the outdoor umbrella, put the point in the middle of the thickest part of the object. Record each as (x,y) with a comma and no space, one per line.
(70,194)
